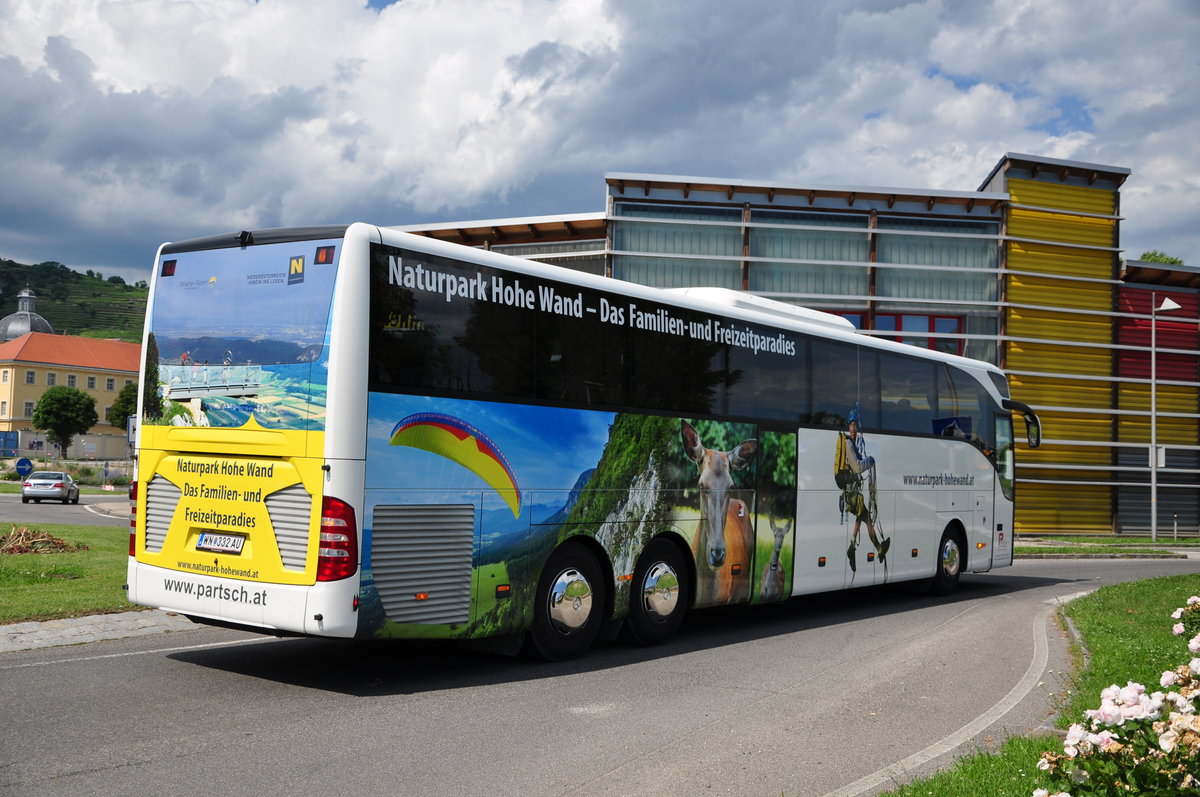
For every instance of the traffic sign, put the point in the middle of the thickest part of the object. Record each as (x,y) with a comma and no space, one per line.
(24,467)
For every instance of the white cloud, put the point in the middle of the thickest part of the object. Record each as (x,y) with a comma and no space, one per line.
(126,122)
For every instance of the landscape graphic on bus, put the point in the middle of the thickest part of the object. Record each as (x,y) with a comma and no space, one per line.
(221,366)
(539,475)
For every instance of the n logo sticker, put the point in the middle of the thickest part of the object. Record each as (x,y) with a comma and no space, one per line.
(296,270)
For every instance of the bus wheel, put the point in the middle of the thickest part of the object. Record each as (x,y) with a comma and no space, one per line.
(659,594)
(949,564)
(569,605)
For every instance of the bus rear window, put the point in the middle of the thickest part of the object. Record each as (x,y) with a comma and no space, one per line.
(240,333)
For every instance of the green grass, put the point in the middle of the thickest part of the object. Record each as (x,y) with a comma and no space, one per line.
(1010,773)
(1030,550)
(1114,540)
(48,586)
(1126,629)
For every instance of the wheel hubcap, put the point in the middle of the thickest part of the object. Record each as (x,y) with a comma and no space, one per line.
(570,602)
(950,558)
(660,592)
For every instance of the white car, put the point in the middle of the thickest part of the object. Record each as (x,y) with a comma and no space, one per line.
(50,485)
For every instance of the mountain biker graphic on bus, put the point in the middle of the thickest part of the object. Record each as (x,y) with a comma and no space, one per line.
(853,471)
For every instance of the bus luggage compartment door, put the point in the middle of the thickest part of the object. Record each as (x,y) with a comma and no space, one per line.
(421,557)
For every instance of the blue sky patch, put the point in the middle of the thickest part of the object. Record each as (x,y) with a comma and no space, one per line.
(961,82)
(1073,115)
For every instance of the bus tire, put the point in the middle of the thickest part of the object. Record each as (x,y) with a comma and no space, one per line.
(658,595)
(569,605)
(950,560)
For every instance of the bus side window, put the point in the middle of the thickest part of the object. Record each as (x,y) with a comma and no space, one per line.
(907,387)
(834,382)
(579,361)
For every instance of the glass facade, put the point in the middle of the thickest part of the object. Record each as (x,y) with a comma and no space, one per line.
(935,276)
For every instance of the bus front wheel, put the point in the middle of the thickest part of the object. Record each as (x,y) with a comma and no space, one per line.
(949,564)
(569,606)
(659,594)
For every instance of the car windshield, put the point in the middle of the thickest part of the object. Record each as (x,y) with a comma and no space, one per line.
(46,476)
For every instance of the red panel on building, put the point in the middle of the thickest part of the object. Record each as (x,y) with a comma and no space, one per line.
(1171,335)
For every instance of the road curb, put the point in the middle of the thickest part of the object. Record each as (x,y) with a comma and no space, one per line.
(1101,556)
(94,628)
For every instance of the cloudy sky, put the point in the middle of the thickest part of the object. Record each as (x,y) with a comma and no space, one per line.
(124,123)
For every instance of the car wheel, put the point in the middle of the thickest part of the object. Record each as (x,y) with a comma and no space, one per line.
(24,499)
(75,500)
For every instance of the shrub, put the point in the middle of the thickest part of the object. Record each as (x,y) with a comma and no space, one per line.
(1137,743)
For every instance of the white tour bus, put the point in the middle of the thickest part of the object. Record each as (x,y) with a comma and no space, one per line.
(355,432)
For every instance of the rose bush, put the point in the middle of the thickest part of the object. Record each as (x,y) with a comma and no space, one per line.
(1136,743)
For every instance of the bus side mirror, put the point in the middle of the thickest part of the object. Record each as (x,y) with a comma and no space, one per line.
(1033,424)
(1033,430)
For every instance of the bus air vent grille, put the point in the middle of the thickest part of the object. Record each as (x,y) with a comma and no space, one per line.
(291,517)
(424,550)
(161,499)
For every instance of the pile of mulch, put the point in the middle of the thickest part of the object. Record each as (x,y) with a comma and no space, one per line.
(26,540)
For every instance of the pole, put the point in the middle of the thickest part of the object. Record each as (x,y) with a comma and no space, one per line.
(1153,417)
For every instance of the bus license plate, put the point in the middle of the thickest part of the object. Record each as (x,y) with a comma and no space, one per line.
(220,543)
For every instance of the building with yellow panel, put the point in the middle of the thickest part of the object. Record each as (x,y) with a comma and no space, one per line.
(1025,271)
(1060,263)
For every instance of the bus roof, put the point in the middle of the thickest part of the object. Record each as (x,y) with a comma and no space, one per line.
(745,306)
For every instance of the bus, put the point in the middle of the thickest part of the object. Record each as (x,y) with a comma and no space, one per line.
(357,432)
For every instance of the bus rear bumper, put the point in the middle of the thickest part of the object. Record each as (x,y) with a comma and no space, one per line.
(324,609)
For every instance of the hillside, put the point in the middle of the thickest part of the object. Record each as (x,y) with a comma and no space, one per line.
(74,303)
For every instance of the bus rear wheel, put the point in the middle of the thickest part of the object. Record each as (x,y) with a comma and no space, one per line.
(569,604)
(949,563)
(659,594)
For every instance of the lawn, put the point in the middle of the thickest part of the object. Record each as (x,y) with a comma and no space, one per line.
(1126,629)
(44,586)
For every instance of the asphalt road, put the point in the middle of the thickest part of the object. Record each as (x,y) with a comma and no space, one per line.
(85,513)
(834,694)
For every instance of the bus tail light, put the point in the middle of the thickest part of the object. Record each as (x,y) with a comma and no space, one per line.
(132,518)
(338,554)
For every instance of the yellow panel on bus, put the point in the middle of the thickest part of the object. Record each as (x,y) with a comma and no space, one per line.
(225,513)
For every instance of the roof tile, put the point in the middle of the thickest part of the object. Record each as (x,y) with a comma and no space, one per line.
(45,349)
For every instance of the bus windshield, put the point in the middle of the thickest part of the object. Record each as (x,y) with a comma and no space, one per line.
(242,333)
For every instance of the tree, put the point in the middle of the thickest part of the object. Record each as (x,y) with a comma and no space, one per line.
(152,408)
(123,407)
(63,412)
(1155,256)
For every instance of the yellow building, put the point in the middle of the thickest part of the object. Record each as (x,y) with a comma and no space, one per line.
(37,360)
